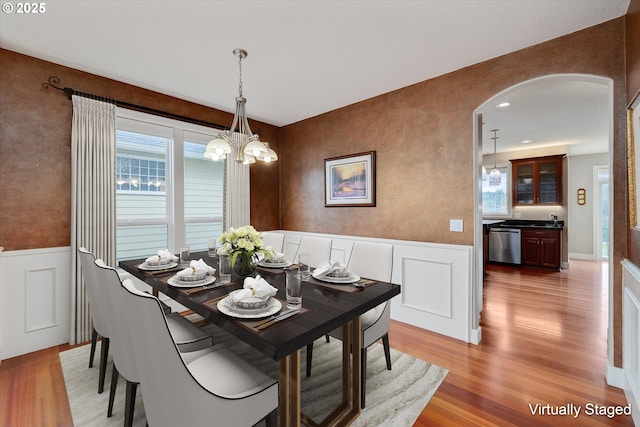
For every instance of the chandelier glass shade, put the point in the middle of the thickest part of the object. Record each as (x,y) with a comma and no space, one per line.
(239,141)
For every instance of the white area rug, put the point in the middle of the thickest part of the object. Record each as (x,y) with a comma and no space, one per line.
(394,398)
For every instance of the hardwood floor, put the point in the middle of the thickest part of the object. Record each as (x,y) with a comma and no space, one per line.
(544,342)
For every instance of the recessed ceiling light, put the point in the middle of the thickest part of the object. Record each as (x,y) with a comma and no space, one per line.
(525,141)
(503,104)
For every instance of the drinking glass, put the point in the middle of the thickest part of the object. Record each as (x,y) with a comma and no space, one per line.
(224,268)
(303,263)
(212,247)
(185,253)
(293,288)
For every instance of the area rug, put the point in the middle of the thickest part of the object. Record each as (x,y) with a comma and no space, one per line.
(394,398)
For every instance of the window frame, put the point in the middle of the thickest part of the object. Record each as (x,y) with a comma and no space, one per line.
(174,131)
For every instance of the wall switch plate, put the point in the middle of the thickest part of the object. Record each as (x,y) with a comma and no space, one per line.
(456,225)
(552,215)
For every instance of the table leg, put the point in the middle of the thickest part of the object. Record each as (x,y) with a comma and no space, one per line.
(290,390)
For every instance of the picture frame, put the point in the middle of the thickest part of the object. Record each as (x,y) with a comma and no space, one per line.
(350,180)
(633,160)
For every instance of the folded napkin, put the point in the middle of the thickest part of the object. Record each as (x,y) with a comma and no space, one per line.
(327,268)
(196,267)
(255,287)
(276,257)
(163,254)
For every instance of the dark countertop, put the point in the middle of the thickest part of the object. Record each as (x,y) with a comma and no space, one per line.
(523,223)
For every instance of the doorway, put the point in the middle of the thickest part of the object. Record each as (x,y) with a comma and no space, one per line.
(557,104)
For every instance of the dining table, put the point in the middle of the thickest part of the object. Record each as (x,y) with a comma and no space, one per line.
(325,307)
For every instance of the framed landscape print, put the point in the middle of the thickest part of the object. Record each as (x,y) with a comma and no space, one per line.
(350,180)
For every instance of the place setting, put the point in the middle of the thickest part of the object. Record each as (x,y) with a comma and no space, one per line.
(255,303)
(274,260)
(194,278)
(161,262)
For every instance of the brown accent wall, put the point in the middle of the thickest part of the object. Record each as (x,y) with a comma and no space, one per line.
(633,86)
(35,143)
(423,135)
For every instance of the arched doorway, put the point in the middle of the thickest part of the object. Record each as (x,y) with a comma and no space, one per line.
(568,114)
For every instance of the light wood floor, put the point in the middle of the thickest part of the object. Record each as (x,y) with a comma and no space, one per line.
(543,341)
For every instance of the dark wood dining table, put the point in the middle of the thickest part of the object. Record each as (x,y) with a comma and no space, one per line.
(325,307)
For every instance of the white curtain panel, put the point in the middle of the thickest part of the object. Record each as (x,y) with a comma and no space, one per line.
(237,194)
(93,199)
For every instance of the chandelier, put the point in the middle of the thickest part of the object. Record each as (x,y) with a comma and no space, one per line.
(495,176)
(239,141)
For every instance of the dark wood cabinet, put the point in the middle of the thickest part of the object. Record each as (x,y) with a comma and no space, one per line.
(537,181)
(541,248)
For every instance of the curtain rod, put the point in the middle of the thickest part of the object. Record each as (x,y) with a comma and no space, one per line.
(54,82)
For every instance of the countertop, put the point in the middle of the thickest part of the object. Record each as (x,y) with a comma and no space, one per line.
(523,223)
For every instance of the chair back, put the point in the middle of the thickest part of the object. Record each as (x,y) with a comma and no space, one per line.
(94,293)
(275,240)
(123,356)
(318,248)
(172,395)
(372,260)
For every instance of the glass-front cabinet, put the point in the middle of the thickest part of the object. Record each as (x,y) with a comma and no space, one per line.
(537,181)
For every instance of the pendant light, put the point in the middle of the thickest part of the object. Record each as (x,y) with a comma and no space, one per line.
(244,145)
(495,176)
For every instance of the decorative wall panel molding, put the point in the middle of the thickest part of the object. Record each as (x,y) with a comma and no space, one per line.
(631,336)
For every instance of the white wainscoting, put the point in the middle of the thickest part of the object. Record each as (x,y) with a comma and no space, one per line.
(35,298)
(436,281)
(631,336)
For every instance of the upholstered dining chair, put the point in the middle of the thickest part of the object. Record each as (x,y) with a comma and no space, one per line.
(318,248)
(216,388)
(99,316)
(371,260)
(185,333)
(273,239)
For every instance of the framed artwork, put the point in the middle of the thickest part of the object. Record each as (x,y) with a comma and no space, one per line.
(350,180)
(633,159)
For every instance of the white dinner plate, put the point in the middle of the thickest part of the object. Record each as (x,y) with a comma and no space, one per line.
(274,264)
(191,284)
(145,266)
(227,307)
(351,278)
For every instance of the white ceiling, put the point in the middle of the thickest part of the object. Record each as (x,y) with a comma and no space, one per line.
(306,57)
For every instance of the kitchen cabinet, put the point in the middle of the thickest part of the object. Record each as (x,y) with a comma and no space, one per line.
(537,181)
(541,248)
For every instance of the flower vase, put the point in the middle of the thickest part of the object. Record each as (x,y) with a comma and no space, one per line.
(244,264)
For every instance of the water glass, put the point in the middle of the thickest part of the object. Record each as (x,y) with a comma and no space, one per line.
(212,247)
(303,263)
(185,254)
(224,268)
(293,288)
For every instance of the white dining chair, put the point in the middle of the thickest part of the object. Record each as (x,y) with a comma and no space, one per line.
(318,248)
(275,240)
(369,260)
(99,317)
(216,388)
(186,334)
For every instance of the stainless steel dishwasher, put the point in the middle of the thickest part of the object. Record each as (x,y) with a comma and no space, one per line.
(504,245)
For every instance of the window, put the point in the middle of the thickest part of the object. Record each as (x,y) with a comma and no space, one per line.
(495,198)
(167,192)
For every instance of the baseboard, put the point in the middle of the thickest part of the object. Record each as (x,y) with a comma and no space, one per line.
(475,336)
(588,257)
(614,375)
